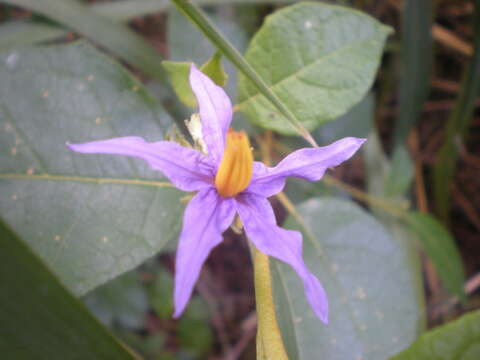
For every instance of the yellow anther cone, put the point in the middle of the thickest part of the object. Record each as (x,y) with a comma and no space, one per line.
(235,170)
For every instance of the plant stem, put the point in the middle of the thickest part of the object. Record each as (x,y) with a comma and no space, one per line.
(269,339)
(198,17)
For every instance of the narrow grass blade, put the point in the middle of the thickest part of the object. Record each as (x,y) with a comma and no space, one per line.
(416,64)
(457,125)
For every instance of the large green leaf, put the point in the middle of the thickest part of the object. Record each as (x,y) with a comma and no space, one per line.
(113,36)
(440,247)
(369,279)
(89,217)
(318,59)
(457,340)
(40,319)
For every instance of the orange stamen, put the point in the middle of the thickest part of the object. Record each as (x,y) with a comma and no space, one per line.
(236,168)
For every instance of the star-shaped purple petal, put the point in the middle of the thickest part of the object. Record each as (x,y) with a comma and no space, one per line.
(209,214)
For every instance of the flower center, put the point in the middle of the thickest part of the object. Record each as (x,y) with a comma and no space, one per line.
(236,168)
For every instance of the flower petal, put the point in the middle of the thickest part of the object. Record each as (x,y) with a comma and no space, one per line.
(187,169)
(309,164)
(215,112)
(286,245)
(207,216)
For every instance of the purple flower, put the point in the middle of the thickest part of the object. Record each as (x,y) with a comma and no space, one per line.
(227,182)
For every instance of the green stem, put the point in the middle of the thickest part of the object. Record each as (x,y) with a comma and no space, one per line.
(197,17)
(269,339)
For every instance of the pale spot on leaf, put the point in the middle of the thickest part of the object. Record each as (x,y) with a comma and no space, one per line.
(56,238)
(308,24)
(30,171)
(14,197)
(98,120)
(45,94)
(13,151)
(105,239)
(135,88)
(379,315)
(12,60)
(90,77)
(360,293)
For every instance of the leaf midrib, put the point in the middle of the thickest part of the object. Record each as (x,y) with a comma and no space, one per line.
(86,179)
(305,68)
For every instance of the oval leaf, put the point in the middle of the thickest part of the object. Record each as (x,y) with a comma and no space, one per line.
(369,279)
(440,247)
(89,217)
(318,59)
(457,340)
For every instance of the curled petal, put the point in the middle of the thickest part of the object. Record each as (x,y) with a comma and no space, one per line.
(215,112)
(187,169)
(286,245)
(207,216)
(309,164)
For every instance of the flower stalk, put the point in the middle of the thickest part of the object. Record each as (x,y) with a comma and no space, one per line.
(269,339)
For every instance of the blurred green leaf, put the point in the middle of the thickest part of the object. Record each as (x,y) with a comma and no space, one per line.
(113,36)
(440,247)
(195,334)
(122,300)
(89,217)
(377,165)
(40,319)
(457,125)
(459,339)
(20,33)
(16,33)
(416,64)
(357,122)
(186,43)
(388,179)
(150,346)
(161,294)
(401,173)
(369,279)
(319,60)
(179,73)
(214,69)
